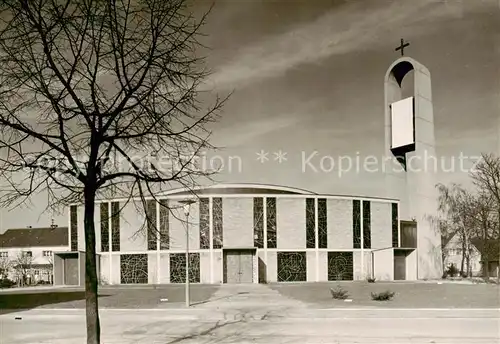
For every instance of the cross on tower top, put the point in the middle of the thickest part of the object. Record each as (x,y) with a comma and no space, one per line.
(402,46)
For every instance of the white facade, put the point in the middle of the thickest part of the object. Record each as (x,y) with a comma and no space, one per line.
(453,253)
(39,266)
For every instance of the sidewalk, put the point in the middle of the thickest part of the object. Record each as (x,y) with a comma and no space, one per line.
(245,296)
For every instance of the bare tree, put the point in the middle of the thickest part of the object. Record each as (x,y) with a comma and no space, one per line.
(445,229)
(5,267)
(457,219)
(486,176)
(485,221)
(23,265)
(101,98)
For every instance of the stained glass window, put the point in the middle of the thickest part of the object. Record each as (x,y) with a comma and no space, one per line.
(104,208)
(204,221)
(217,221)
(292,267)
(340,266)
(134,268)
(310,223)
(73,215)
(178,268)
(152,231)
(164,229)
(258,222)
(115,226)
(356,223)
(322,224)
(271,222)
(367,239)
(395,220)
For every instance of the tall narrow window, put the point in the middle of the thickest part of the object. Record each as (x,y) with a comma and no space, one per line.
(152,231)
(217,222)
(322,224)
(395,220)
(258,222)
(356,223)
(310,223)
(271,223)
(367,233)
(164,229)
(204,223)
(73,214)
(104,208)
(115,226)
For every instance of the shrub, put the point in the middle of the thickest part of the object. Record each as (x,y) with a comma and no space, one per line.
(452,270)
(339,293)
(383,296)
(6,283)
(371,279)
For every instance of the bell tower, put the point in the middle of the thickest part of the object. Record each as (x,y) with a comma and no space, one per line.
(411,166)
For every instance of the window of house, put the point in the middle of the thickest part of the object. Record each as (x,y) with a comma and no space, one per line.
(4,254)
(47,253)
(28,253)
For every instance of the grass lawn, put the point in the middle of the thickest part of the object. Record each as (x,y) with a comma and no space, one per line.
(109,297)
(408,295)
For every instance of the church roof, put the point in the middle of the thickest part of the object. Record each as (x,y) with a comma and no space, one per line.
(241,188)
(34,237)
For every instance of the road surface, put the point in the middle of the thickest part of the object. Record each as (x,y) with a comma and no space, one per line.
(203,326)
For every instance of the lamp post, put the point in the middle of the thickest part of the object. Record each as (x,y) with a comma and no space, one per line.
(187,205)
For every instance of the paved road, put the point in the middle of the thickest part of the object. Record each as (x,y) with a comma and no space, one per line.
(258,326)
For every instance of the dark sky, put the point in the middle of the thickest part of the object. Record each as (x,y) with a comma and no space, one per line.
(308,76)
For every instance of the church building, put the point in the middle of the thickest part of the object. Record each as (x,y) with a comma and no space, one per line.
(255,233)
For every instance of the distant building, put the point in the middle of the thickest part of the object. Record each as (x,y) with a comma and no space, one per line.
(27,253)
(489,252)
(479,253)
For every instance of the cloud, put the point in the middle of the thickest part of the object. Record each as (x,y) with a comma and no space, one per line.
(336,32)
(243,132)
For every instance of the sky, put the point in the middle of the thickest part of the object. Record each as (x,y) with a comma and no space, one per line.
(307,80)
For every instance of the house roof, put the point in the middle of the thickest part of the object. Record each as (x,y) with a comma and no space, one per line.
(490,248)
(445,239)
(34,237)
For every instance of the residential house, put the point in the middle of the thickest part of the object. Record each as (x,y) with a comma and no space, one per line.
(490,252)
(27,253)
(479,251)
(453,253)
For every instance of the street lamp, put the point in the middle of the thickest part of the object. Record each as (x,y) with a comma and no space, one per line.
(187,205)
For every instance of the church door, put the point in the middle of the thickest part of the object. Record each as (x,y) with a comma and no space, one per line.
(238,266)
(399,267)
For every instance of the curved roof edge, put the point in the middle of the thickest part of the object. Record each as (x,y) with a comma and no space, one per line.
(261,188)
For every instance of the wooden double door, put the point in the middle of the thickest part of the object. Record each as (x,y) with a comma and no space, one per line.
(238,266)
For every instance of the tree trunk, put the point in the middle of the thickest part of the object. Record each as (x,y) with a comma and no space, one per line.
(498,238)
(468,267)
(486,270)
(485,254)
(91,298)
(462,263)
